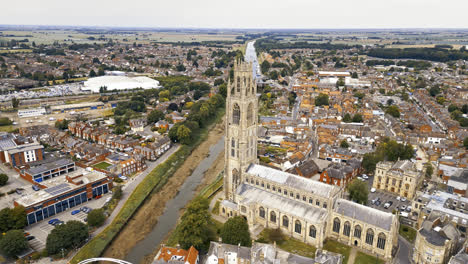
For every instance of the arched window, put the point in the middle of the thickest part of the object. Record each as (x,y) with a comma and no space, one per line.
(250,114)
(224,211)
(261,212)
(298,227)
(273,217)
(245,86)
(235,176)
(233,147)
(357,231)
(346,229)
(285,221)
(381,241)
(336,225)
(312,232)
(236,114)
(238,84)
(369,236)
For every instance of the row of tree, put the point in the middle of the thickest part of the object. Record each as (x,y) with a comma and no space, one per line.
(433,54)
(388,150)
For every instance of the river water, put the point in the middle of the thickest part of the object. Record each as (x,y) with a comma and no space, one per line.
(167,221)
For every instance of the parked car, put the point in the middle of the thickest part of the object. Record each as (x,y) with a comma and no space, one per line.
(403,207)
(408,209)
(378,202)
(403,199)
(18,191)
(58,223)
(52,221)
(365,177)
(28,238)
(86,209)
(372,190)
(388,204)
(74,212)
(398,198)
(35,188)
(26,234)
(123,177)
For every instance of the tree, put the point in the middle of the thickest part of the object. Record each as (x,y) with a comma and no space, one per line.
(62,124)
(223,90)
(393,111)
(67,236)
(321,99)
(344,143)
(358,191)
(3,179)
(154,116)
(465,142)
(236,231)
(434,91)
(96,217)
(117,192)
(218,81)
(464,109)
(452,108)
(429,170)
(265,66)
(340,82)
(347,118)
(173,107)
(354,75)
(193,228)
(357,118)
(92,73)
(15,102)
(390,101)
(13,243)
(184,134)
(11,219)
(180,67)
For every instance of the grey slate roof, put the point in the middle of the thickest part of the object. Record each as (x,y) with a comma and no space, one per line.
(249,194)
(433,237)
(293,181)
(364,213)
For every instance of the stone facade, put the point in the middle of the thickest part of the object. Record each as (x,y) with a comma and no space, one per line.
(400,178)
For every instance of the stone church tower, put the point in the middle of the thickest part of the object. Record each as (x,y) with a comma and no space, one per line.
(241,127)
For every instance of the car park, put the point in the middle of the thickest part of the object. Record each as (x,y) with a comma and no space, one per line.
(74,212)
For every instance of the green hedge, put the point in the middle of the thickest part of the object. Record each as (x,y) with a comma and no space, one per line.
(153,182)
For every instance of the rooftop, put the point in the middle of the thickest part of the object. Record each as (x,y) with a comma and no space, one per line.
(364,213)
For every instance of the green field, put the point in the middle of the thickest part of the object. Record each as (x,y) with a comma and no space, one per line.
(333,246)
(408,233)
(362,258)
(102,165)
(15,51)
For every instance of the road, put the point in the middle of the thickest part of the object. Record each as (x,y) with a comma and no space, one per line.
(405,251)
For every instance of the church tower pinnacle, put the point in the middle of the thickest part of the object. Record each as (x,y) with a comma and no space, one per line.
(241,127)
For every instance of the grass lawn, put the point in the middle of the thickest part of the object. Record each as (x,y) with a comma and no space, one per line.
(333,246)
(362,258)
(9,128)
(102,165)
(289,244)
(408,233)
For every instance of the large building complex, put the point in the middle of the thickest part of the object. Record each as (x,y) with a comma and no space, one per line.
(305,209)
(401,178)
(19,151)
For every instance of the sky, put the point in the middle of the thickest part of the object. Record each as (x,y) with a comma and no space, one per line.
(312,14)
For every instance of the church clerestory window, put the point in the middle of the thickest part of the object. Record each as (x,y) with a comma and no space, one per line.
(236,114)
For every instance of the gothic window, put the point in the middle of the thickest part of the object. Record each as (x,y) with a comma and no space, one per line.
(304,198)
(381,241)
(235,176)
(236,114)
(273,188)
(311,201)
(279,190)
(317,202)
(285,192)
(224,211)
(369,236)
(291,194)
(357,231)
(250,114)
(245,86)
(256,183)
(312,231)
(243,209)
(233,147)
(336,225)
(238,84)
(261,212)
(285,221)
(268,186)
(273,217)
(263,184)
(297,227)
(324,205)
(346,229)
(298,196)
(233,143)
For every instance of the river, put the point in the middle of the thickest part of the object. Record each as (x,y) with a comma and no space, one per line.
(167,221)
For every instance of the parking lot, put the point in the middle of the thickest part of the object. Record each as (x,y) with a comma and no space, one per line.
(42,229)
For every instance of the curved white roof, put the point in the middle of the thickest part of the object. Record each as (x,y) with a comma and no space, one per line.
(119,83)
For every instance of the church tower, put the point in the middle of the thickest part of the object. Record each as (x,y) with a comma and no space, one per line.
(241,127)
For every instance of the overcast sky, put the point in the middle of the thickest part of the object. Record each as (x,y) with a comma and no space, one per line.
(239,13)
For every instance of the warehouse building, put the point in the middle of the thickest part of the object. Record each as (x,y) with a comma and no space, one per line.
(76,107)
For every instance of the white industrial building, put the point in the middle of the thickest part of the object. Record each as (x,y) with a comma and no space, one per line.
(119,83)
(31,112)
